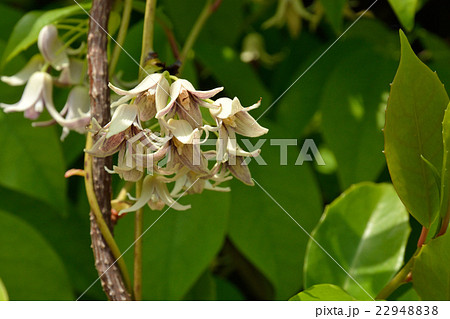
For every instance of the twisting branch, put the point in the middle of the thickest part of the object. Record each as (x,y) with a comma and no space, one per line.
(112,281)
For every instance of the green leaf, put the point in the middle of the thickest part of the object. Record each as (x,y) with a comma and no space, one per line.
(437,53)
(431,272)
(204,289)
(28,265)
(353,113)
(32,162)
(3,292)
(334,11)
(413,128)
(365,230)
(58,231)
(26,31)
(261,230)
(180,245)
(445,175)
(323,292)
(405,11)
(226,291)
(238,78)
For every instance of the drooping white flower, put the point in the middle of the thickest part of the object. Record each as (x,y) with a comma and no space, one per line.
(151,95)
(72,74)
(233,118)
(52,48)
(35,64)
(186,146)
(185,101)
(75,114)
(156,194)
(37,94)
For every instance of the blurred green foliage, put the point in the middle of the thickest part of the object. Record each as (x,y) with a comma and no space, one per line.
(241,245)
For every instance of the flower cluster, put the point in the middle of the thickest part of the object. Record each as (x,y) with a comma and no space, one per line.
(38,93)
(158,130)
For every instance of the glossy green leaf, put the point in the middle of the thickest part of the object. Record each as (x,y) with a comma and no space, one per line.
(28,265)
(26,31)
(3,292)
(365,230)
(431,272)
(32,162)
(353,113)
(180,245)
(405,11)
(413,128)
(261,230)
(304,98)
(323,292)
(334,11)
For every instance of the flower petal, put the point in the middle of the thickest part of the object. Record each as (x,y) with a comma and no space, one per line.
(183,131)
(240,170)
(52,47)
(123,118)
(175,90)
(31,94)
(20,78)
(148,188)
(163,193)
(73,73)
(122,100)
(147,83)
(228,107)
(162,93)
(246,125)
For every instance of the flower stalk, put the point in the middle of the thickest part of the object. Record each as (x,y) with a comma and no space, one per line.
(209,8)
(125,21)
(147,35)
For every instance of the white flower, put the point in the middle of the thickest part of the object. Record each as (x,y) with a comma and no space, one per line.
(151,95)
(35,64)
(52,48)
(156,195)
(186,146)
(73,74)
(185,101)
(233,118)
(37,94)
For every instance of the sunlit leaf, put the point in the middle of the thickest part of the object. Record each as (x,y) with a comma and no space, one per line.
(3,292)
(413,128)
(365,231)
(353,113)
(405,11)
(26,31)
(323,292)
(431,272)
(28,265)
